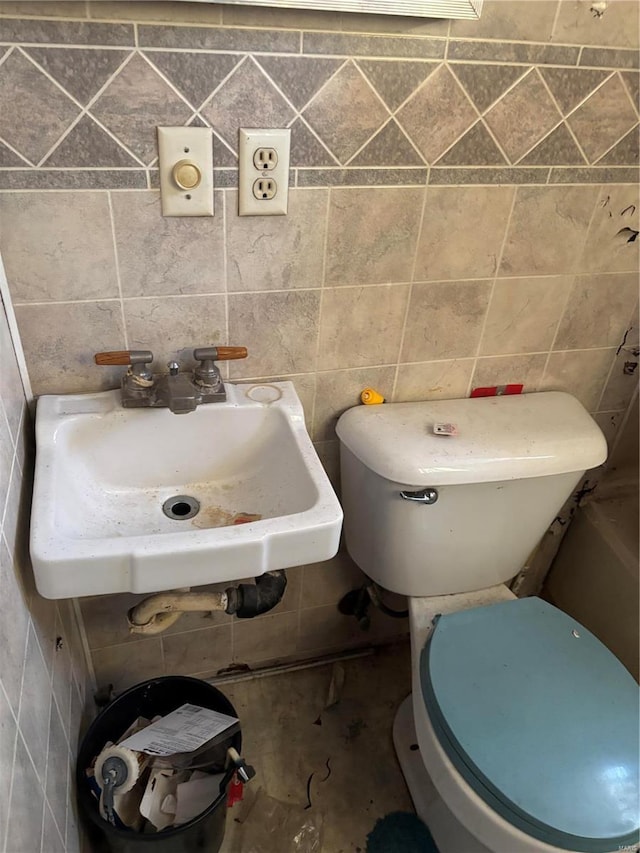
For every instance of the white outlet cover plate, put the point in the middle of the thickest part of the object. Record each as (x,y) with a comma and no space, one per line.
(186,143)
(251,139)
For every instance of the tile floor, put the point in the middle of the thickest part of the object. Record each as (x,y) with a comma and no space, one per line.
(289,734)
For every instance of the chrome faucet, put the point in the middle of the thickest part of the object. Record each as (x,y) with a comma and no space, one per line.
(179,391)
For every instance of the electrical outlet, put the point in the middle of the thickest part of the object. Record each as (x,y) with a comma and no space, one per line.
(263,160)
(265,188)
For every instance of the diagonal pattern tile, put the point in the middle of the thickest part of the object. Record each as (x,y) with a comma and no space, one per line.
(305,148)
(486,83)
(437,114)
(221,155)
(476,148)
(81,72)
(344,129)
(88,146)
(299,77)
(523,116)
(557,149)
(625,152)
(632,82)
(395,81)
(569,86)
(8,158)
(246,99)
(389,147)
(135,103)
(195,75)
(603,119)
(34,111)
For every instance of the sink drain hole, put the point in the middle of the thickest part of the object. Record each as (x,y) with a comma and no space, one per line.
(181,507)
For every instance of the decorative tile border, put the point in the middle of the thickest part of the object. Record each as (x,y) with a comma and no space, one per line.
(498,111)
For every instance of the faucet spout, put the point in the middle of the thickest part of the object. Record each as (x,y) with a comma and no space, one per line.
(181,394)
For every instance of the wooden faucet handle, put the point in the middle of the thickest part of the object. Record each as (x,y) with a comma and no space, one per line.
(124,357)
(219,353)
(228,353)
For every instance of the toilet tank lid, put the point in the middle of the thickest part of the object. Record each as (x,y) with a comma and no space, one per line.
(499,438)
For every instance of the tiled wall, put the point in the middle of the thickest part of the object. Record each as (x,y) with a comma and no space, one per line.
(42,669)
(464,200)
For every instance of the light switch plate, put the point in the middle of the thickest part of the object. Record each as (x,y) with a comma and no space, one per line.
(263,163)
(193,145)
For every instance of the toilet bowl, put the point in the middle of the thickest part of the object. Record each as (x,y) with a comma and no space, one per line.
(521,730)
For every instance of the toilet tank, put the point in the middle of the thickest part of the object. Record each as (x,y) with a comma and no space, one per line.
(491,490)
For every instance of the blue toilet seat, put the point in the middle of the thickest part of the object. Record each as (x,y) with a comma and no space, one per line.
(541,719)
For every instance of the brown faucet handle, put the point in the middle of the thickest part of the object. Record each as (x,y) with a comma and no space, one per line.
(219,353)
(124,357)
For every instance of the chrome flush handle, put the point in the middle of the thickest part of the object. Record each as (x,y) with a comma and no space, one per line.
(423,496)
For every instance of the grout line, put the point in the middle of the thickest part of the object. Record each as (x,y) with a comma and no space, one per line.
(302,119)
(606,381)
(4,837)
(492,289)
(225,265)
(575,274)
(554,23)
(18,154)
(414,263)
(323,278)
(117,269)
(617,142)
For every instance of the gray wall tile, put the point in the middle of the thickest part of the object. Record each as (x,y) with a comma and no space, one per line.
(524,314)
(607,248)
(81,72)
(56,263)
(35,111)
(598,311)
(604,175)
(361,177)
(486,51)
(198,651)
(507,369)
(462,232)
(172,327)
(59,342)
(618,26)
(445,320)
(339,390)
(160,256)
(278,253)
(86,179)
(507,19)
(280,330)
(554,218)
(433,380)
(450,176)
(27,801)
(66,32)
(339,44)
(582,372)
(218,38)
(373,333)
(610,58)
(372,235)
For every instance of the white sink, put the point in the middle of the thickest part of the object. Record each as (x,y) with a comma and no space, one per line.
(103,474)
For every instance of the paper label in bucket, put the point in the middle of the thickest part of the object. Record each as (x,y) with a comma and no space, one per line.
(445,429)
(183,730)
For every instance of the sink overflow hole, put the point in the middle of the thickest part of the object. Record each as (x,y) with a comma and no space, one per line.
(180,507)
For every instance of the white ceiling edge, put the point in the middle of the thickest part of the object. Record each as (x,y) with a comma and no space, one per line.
(413,8)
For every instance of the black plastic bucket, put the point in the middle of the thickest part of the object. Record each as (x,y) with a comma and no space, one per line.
(158,696)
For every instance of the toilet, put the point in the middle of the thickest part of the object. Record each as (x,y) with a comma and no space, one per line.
(521,731)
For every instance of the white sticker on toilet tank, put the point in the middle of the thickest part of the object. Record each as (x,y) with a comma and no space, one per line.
(445,429)
(183,730)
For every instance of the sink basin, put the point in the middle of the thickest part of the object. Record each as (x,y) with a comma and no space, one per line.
(245,467)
